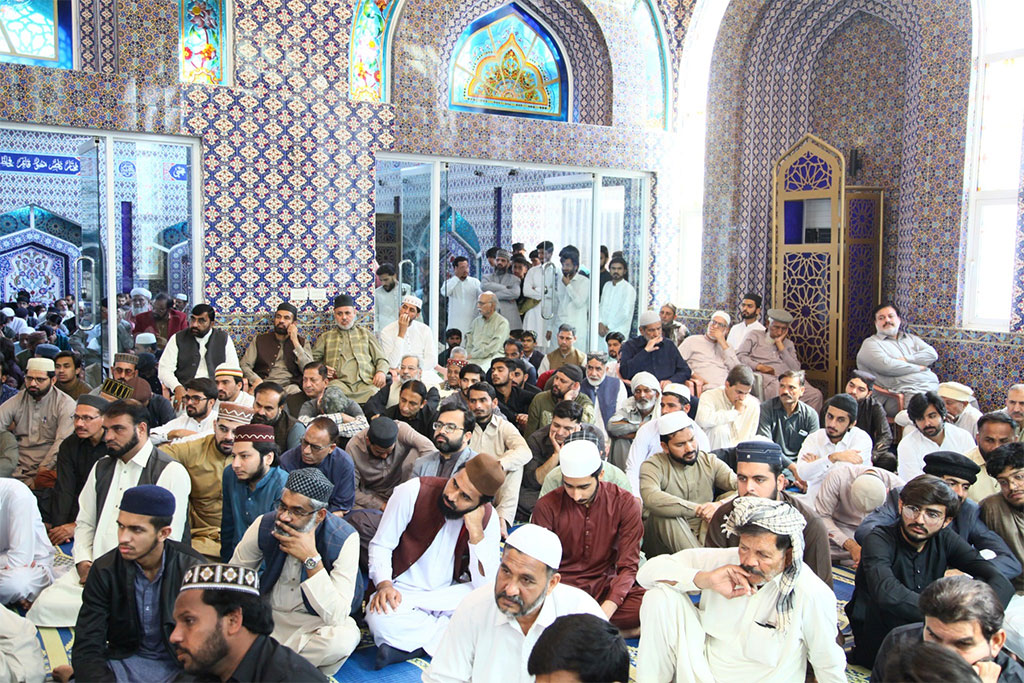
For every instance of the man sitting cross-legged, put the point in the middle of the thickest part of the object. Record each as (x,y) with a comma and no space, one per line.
(763,613)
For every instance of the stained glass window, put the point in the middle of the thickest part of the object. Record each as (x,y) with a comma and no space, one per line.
(647,35)
(37,32)
(202,41)
(507,63)
(367,53)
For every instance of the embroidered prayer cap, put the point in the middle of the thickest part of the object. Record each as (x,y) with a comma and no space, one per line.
(343,300)
(254,434)
(676,389)
(47,351)
(383,431)
(145,339)
(181,297)
(94,401)
(232,412)
(40,365)
(149,500)
(722,314)
(645,379)
(457,363)
(117,391)
(648,318)
(311,483)
(129,358)
(673,422)
(141,291)
(411,300)
(951,464)
(224,577)
(228,370)
(782,519)
(867,491)
(485,473)
(845,403)
(759,450)
(954,391)
(502,253)
(780,315)
(537,542)
(285,306)
(571,371)
(579,459)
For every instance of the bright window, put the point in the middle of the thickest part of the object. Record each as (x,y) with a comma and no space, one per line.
(997,167)
(203,43)
(37,32)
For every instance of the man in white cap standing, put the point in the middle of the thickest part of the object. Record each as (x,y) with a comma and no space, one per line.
(709,355)
(492,633)
(637,410)
(846,496)
(652,352)
(39,417)
(409,336)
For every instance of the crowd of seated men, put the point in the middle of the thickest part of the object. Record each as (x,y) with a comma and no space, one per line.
(511,507)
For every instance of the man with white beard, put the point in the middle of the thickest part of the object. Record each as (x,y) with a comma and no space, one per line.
(607,392)
(899,360)
(636,411)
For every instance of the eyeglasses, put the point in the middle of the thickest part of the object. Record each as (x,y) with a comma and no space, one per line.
(1016,479)
(36,380)
(313,447)
(293,512)
(196,399)
(447,428)
(86,418)
(913,512)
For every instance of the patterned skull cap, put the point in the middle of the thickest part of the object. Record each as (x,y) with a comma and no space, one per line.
(116,389)
(310,482)
(232,412)
(129,358)
(225,577)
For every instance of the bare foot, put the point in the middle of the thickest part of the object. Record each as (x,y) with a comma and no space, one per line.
(63,673)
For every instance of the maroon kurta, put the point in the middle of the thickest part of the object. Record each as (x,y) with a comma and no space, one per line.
(600,546)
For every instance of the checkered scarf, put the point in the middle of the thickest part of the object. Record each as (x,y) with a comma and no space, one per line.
(779,518)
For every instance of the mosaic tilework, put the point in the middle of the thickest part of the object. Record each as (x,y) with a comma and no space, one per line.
(88,48)
(1017,314)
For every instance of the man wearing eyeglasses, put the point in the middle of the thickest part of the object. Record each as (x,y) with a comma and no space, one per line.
(709,355)
(452,431)
(900,560)
(200,399)
(319,449)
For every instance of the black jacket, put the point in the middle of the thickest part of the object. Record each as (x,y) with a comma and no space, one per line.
(108,622)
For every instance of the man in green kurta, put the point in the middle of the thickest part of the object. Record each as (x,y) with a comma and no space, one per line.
(485,338)
(355,359)
(205,458)
(678,488)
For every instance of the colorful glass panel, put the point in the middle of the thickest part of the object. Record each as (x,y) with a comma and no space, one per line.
(202,42)
(37,32)
(646,35)
(506,63)
(367,56)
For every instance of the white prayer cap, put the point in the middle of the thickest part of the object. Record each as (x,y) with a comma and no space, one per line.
(579,459)
(678,390)
(141,291)
(42,365)
(955,391)
(722,314)
(648,318)
(673,422)
(867,491)
(181,297)
(645,379)
(413,301)
(145,338)
(537,542)
(8,311)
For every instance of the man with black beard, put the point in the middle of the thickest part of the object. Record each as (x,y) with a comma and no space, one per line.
(452,430)
(195,352)
(507,287)
(496,626)
(513,402)
(268,409)
(278,355)
(433,532)
(563,385)
(678,487)
(223,626)
(252,483)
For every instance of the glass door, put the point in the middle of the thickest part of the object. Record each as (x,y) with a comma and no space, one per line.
(88,273)
(620,229)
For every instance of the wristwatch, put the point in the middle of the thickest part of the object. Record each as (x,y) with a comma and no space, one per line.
(310,563)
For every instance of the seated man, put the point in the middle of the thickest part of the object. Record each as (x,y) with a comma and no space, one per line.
(383,456)
(513,401)
(600,526)
(647,442)
(66,366)
(434,531)
(268,409)
(229,386)
(295,544)
(761,609)
(221,604)
(195,352)
(278,355)
(564,352)
(994,430)
(453,339)
(606,391)
(580,645)
(131,460)
(900,560)
(126,369)
(652,352)
(899,360)
(640,408)
(353,357)
(39,418)
(21,658)
(456,361)
(729,414)
(771,353)
(959,474)
(162,321)
(452,433)
(252,483)
(318,450)
(408,370)
(514,351)
(408,336)
(870,418)
(545,445)
(785,419)
(678,487)
(494,628)
(75,458)
(486,335)
(750,320)
(963,615)
(323,398)
(200,399)
(414,407)
(26,556)
(846,495)
(839,442)
(1015,408)
(564,385)
(932,433)
(205,458)
(709,355)
(122,629)
(1004,513)
(959,411)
